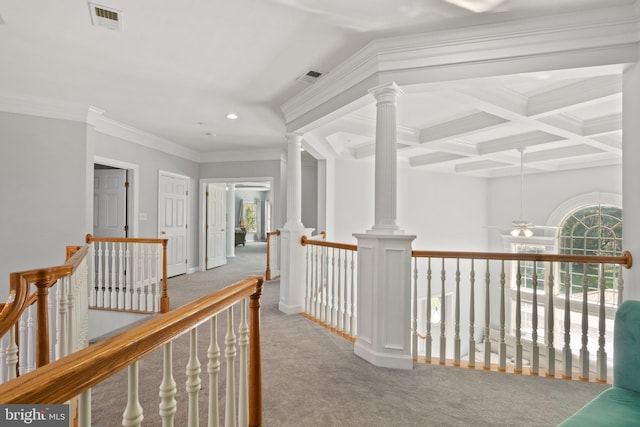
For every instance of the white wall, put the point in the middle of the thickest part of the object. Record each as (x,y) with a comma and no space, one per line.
(544,192)
(42,166)
(446,212)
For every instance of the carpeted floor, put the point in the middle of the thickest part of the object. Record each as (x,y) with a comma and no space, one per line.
(312,378)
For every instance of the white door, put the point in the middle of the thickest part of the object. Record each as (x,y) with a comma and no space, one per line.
(172,220)
(216,225)
(109,203)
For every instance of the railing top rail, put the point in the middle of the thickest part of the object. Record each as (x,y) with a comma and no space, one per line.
(65,378)
(77,258)
(306,241)
(273,233)
(625,259)
(91,238)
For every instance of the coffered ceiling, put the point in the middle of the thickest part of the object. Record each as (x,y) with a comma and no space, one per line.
(175,69)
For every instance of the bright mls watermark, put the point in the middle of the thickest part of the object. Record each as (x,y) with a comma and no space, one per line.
(34,415)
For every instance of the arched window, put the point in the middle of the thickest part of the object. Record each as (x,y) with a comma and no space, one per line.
(592,230)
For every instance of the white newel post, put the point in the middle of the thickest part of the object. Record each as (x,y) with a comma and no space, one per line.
(631,177)
(231,223)
(292,253)
(384,255)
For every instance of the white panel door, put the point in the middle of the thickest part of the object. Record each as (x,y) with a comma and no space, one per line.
(216,225)
(109,203)
(172,220)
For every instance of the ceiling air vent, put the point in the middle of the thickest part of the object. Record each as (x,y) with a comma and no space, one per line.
(105,17)
(310,76)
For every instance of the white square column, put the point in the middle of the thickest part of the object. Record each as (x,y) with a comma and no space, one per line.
(384,300)
(292,270)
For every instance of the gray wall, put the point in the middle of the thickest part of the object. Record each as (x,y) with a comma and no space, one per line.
(309,197)
(43,167)
(234,171)
(150,162)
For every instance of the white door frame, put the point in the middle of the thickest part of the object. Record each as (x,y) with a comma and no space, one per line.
(188,179)
(203,212)
(134,187)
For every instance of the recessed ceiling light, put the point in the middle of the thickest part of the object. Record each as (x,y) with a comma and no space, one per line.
(232,116)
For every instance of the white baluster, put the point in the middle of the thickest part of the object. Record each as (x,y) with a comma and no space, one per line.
(535,350)
(230,355)
(307,295)
(338,303)
(317,287)
(443,318)
(327,288)
(137,277)
(518,368)
(168,388)
(121,276)
(84,409)
(100,295)
(193,378)
(620,288)
(149,302)
(456,324)
(428,339)
(3,359)
(472,316)
(92,275)
(31,347)
(24,345)
(567,357)
(487,319)
(345,293)
(352,310)
(414,327)
(550,309)
(132,415)
(584,350)
(243,387)
(213,368)
(113,291)
(602,354)
(503,345)
(158,283)
(61,321)
(334,296)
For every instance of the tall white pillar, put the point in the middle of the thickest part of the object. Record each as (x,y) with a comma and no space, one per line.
(292,253)
(631,177)
(386,173)
(231,221)
(294,182)
(384,255)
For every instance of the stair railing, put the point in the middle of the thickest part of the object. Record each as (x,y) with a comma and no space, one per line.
(45,316)
(75,374)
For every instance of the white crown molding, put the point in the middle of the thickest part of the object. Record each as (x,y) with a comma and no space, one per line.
(108,126)
(242,156)
(42,107)
(532,39)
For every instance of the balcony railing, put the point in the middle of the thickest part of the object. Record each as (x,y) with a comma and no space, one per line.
(128,274)
(330,288)
(542,314)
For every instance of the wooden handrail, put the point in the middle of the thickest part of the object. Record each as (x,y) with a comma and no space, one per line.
(70,376)
(304,240)
(165,301)
(625,259)
(20,297)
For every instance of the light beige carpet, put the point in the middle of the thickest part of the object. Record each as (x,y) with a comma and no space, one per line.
(312,378)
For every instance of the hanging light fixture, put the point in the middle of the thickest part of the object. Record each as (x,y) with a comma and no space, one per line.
(522,227)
